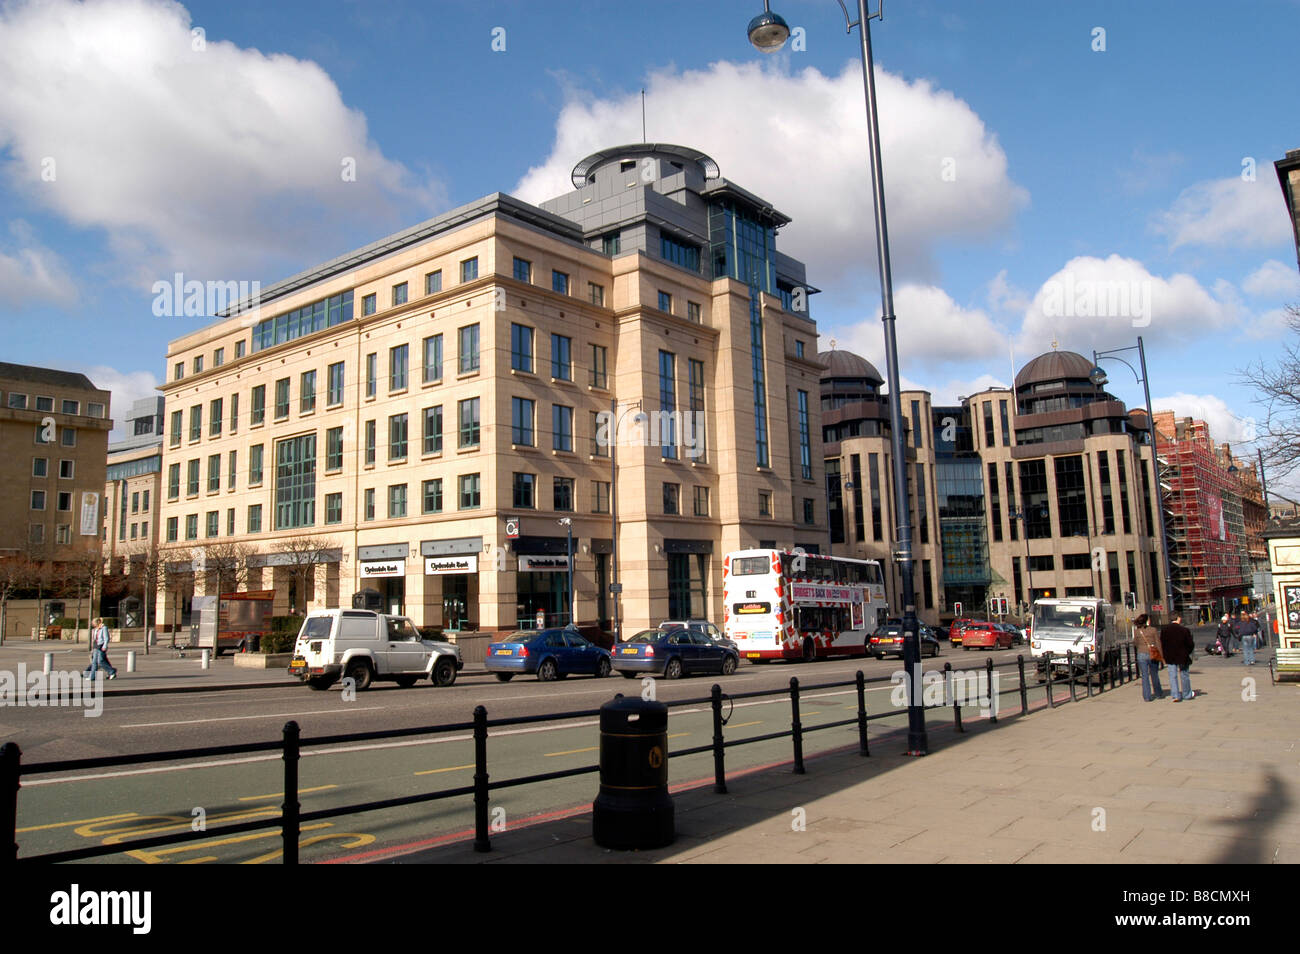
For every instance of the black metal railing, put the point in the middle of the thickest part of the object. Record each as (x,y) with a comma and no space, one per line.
(291,745)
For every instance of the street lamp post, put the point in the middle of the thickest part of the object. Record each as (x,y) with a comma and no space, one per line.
(768,32)
(568,522)
(1098,378)
(615,587)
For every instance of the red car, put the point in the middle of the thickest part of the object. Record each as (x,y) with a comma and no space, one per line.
(985,636)
(957,628)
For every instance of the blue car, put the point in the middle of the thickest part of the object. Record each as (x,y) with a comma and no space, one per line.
(673,653)
(550,653)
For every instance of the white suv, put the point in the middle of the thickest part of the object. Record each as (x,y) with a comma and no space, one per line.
(363,646)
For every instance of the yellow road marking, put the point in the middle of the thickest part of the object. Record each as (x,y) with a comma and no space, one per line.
(360,840)
(183,823)
(741,725)
(301,791)
(590,748)
(156,856)
(450,768)
(83,821)
(678,735)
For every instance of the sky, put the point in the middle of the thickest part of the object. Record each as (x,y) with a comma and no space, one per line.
(1077,173)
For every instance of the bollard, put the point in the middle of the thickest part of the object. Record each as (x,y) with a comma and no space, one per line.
(481,840)
(130,661)
(289,810)
(796,727)
(1087,670)
(10,768)
(49,664)
(1051,703)
(206,661)
(1074,682)
(861,681)
(633,809)
(993,700)
(956,707)
(1024,690)
(719,750)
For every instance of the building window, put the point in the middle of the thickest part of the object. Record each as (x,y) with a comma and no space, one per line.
(562,493)
(255,465)
(178,372)
(396,501)
(433,282)
(805,438)
(281,399)
(680,253)
(521,421)
(41,466)
(399,294)
(468,349)
(1033,499)
(191,526)
(524,496)
(234,412)
(334,448)
(599,367)
(295,482)
(216,417)
(1107,506)
(219,357)
(600,496)
(198,363)
(135,502)
(192,478)
(922,513)
(596,293)
(467,415)
(433,359)
(995,501)
(561,428)
(559,282)
(18,401)
(334,395)
(917,430)
(178,424)
(397,433)
(370,442)
(1006,424)
(798,348)
(1071,497)
(1123,501)
(521,348)
(196,422)
(672,498)
(397,367)
(312,317)
(258,414)
(561,358)
(173,529)
(667,406)
(255,518)
(759,377)
(230,522)
(63,532)
(809,511)
(174,482)
(240,347)
(433,430)
(213,523)
(693,312)
(701,501)
(764,504)
(600,434)
(38,500)
(469,491)
(370,503)
(66,469)
(523,271)
(369,304)
(307,392)
(989,438)
(372,374)
(469,269)
(431,495)
(665,302)
(694,430)
(609,244)
(214,473)
(333,508)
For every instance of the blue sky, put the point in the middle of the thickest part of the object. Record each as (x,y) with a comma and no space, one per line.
(1020,160)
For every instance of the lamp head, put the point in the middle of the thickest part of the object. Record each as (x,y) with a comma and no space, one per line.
(768,31)
(1097,376)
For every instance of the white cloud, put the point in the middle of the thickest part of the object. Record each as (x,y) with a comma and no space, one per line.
(1226,212)
(127,387)
(1223,423)
(1003,296)
(213,161)
(1093,302)
(31,273)
(799,141)
(932,329)
(956,388)
(1273,280)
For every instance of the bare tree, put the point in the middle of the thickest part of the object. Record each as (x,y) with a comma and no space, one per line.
(177,572)
(147,568)
(1277,388)
(17,574)
(302,555)
(84,570)
(228,561)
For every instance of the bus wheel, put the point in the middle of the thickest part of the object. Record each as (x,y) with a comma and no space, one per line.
(809,650)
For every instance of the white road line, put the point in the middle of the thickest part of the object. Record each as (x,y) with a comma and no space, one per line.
(269,715)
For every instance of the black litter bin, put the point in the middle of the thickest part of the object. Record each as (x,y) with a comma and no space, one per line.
(633,809)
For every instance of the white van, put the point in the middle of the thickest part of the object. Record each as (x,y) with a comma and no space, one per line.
(1078,625)
(363,645)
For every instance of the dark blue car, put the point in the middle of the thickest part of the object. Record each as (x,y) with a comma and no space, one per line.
(673,653)
(550,653)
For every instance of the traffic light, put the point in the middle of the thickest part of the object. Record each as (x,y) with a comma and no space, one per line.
(956,609)
(1130,600)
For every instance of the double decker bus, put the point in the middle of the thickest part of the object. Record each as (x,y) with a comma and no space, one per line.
(779,604)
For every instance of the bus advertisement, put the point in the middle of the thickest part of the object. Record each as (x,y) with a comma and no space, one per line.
(781,604)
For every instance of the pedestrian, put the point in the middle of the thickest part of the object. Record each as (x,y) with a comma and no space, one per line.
(1247,630)
(99,650)
(1176,645)
(1146,640)
(1224,634)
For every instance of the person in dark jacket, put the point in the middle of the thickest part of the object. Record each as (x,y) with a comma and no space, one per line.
(1225,633)
(1247,630)
(1177,645)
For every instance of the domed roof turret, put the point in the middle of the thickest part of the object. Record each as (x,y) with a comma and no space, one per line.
(846,364)
(1054,366)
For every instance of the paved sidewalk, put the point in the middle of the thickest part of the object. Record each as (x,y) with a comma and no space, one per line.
(1102,780)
